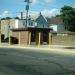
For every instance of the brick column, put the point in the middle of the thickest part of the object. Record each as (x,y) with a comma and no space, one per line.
(29,38)
(50,38)
(39,41)
(0,39)
(19,42)
(9,39)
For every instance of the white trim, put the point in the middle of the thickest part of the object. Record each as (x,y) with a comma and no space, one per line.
(16,23)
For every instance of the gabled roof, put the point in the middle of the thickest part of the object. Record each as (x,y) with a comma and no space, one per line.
(56,20)
(41,18)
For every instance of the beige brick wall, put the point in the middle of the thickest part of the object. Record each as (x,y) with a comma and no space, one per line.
(23,36)
(63,40)
(56,40)
(15,34)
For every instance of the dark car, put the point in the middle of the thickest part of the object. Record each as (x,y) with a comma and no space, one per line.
(13,40)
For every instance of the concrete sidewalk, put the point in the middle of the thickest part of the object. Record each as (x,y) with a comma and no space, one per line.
(41,47)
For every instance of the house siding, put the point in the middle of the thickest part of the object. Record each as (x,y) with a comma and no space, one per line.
(60,28)
(41,22)
(5,27)
(57,28)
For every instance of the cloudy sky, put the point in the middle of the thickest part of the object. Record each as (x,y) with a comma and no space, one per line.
(47,7)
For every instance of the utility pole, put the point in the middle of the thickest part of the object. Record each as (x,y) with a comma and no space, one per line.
(0,32)
(21,15)
(27,10)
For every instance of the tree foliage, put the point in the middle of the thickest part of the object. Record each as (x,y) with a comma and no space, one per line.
(68,17)
(17,18)
(8,18)
(2,18)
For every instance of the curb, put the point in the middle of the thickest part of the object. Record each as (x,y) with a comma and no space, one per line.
(49,47)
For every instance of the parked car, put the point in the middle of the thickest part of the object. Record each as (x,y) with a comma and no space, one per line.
(2,37)
(13,40)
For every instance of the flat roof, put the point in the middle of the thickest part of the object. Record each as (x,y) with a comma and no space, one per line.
(30,29)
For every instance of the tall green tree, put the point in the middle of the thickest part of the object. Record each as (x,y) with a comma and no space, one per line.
(17,18)
(8,18)
(68,17)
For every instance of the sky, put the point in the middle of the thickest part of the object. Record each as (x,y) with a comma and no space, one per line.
(47,7)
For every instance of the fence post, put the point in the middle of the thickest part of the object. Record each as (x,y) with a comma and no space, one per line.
(50,38)
(29,36)
(19,39)
(39,41)
(0,39)
(9,39)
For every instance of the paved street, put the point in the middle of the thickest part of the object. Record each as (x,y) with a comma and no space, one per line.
(37,62)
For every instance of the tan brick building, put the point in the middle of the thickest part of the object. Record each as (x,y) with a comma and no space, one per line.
(33,36)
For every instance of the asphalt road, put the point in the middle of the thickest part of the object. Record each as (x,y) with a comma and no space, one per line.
(36,62)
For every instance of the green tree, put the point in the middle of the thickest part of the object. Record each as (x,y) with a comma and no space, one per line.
(17,18)
(2,18)
(8,18)
(68,17)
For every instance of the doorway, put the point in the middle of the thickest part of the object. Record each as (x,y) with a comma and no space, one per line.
(45,37)
(33,38)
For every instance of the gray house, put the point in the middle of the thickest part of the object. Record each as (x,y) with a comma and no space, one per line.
(41,22)
(56,24)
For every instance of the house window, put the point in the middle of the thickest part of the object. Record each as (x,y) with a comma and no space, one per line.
(31,23)
(33,36)
(35,24)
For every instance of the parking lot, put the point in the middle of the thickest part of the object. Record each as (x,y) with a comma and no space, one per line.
(37,62)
